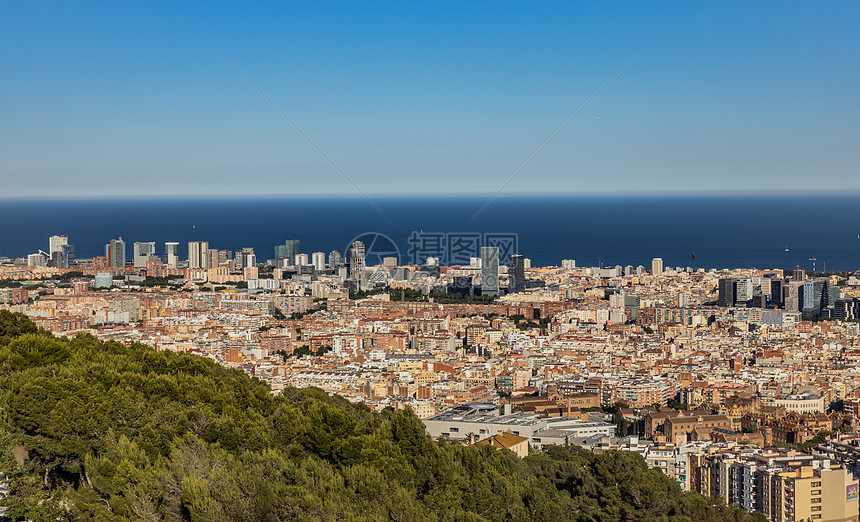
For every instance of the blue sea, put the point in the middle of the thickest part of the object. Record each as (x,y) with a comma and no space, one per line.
(722,231)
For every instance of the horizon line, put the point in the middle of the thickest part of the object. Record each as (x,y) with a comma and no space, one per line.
(445,195)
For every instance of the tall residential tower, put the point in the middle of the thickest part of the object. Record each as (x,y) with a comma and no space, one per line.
(516,274)
(143,252)
(115,253)
(490,271)
(171,252)
(198,254)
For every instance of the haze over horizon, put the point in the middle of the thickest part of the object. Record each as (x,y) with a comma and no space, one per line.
(105,100)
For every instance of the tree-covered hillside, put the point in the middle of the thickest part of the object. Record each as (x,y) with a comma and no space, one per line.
(93,430)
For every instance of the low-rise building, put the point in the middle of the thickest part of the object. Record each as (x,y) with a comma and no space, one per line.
(509,441)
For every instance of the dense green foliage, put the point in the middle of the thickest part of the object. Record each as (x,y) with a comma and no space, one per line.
(820,438)
(320,306)
(68,276)
(407,294)
(15,325)
(676,404)
(159,281)
(95,430)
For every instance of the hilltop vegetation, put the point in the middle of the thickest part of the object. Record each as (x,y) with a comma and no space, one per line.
(94,430)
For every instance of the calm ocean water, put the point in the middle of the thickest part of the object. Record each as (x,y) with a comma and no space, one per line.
(747,231)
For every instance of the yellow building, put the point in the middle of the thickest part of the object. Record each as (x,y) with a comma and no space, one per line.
(509,441)
(828,494)
(787,486)
(424,377)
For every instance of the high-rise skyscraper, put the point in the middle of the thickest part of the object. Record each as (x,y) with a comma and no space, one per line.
(36,260)
(143,252)
(115,253)
(286,254)
(516,274)
(198,254)
(813,296)
(776,291)
(490,271)
(657,266)
(214,258)
(834,294)
(335,260)
(246,258)
(60,251)
(68,255)
(293,248)
(793,298)
(55,243)
(280,253)
(356,259)
(726,289)
(743,290)
(171,252)
(318,260)
(302,260)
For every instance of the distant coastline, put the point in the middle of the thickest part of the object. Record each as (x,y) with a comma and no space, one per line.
(477,196)
(723,231)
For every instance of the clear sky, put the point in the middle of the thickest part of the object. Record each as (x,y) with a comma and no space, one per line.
(138,98)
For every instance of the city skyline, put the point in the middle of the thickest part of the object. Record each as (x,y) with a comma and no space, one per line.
(736,384)
(450,260)
(108,101)
(721,231)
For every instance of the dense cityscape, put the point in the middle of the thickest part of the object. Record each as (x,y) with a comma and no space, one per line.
(741,384)
(430,262)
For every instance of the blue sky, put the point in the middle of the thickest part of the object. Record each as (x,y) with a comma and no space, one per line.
(137,99)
